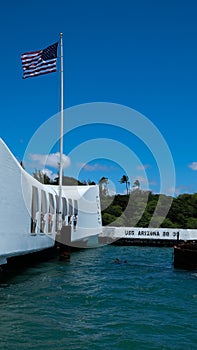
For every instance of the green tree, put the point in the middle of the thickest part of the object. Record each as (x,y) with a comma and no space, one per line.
(90,182)
(167,223)
(136,184)
(114,210)
(41,177)
(138,208)
(191,223)
(125,180)
(68,181)
(108,219)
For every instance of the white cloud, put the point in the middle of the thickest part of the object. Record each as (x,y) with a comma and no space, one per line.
(143,167)
(51,160)
(94,167)
(193,165)
(49,173)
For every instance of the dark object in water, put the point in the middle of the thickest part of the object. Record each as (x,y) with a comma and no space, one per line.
(117,261)
(185,255)
(64,256)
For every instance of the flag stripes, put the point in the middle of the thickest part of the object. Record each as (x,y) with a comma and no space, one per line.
(39,62)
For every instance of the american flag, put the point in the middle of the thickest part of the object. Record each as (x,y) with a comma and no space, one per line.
(39,62)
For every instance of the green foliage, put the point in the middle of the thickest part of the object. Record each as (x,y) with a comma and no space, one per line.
(137,209)
(41,177)
(168,223)
(119,222)
(114,210)
(191,223)
(108,219)
(125,180)
(68,181)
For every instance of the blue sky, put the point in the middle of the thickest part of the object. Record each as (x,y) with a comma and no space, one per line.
(140,54)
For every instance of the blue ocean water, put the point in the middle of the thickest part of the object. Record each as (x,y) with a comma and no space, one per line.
(93,303)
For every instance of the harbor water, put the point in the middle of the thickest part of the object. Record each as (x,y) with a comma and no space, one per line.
(142,302)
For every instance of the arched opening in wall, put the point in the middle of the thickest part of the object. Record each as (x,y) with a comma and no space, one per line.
(34,209)
(70,211)
(64,211)
(43,211)
(75,216)
(51,213)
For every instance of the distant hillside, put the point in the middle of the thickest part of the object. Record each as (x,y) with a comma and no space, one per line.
(137,210)
(68,181)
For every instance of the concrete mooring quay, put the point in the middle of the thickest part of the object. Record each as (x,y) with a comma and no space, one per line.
(141,236)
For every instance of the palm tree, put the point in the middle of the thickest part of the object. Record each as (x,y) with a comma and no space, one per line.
(136,184)
(103,182)
(125,179)
(41,177)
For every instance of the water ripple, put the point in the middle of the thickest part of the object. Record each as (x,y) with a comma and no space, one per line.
(92,303)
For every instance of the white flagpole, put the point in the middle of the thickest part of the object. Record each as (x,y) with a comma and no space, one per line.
(61,129)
